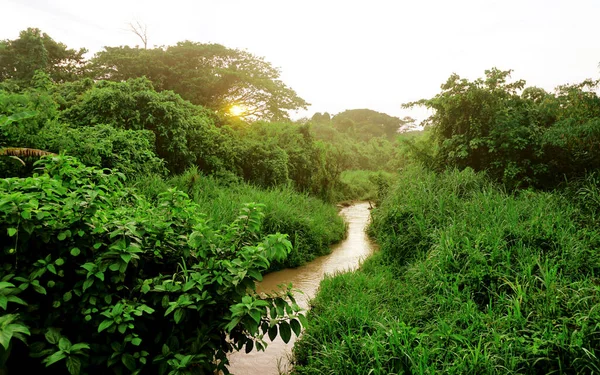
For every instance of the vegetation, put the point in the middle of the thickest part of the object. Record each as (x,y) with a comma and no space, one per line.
(469,279)
(520,136)
(477,274)
(310,224)
(129,240)
(102,279)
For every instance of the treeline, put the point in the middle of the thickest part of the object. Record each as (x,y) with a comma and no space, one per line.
(167,109)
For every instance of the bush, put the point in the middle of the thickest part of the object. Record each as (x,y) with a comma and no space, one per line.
(101,280)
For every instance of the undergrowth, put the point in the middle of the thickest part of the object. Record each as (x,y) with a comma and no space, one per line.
(311,224)
(469,280)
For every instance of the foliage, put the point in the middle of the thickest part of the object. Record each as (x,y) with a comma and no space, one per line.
(311,225)
(469,279)
(179,127)
(366,123)
(104,281)
(364,185)
(128,151)
(210,75)
(520,136)
(34,50)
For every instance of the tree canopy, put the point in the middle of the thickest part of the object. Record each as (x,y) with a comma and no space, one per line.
(210,75)
(34,50)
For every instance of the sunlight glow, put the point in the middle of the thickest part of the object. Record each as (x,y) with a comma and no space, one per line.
(237,110)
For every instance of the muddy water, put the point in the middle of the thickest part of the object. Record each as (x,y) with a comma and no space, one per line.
(344,256)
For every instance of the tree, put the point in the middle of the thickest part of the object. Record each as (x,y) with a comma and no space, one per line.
(366,123)
(210,75)
(34,50)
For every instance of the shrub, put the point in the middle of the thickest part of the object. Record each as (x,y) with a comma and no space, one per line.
(98,279)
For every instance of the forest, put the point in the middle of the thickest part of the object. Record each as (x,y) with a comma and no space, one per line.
(145,191)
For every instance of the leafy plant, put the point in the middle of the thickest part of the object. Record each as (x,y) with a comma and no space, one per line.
(132,283)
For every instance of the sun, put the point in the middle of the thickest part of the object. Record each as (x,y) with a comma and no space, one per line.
(237,110)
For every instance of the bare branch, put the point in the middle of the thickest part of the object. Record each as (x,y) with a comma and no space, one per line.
(141,31)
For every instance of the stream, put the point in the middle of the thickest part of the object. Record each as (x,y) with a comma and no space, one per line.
(345,256)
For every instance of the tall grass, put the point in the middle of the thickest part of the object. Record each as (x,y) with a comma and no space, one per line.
(469,280)
(311,224)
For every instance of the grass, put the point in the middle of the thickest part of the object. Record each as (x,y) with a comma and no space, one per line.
(469,280)
(311,224)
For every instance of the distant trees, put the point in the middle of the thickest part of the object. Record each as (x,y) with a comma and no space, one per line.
(363,124)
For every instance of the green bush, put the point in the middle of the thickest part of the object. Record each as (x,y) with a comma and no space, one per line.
(96,279)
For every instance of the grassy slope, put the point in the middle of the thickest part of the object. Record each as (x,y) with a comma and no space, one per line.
(311,224)
(468,280)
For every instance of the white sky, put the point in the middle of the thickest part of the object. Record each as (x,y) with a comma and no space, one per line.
(349,54)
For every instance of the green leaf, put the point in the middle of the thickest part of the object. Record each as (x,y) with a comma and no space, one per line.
(11,231)
(178,315)
(73,365)
(128,361)
(61,236)
(67,296)
(87,283)
(52,336)
(75,251)
(54,358)
(79,347)
(59,262)
(3,301)
(295,326)
(136,341)
(64,344)
(51,268)
(285,331)
(5,336)
(303,320)
(249,346)
(26,214)
(255,314)
(105,324)
(272,333)
(6,284)
(38,288)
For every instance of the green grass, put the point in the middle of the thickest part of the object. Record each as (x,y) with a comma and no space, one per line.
(311,224)
(469,280)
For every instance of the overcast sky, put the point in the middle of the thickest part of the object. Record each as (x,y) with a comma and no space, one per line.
(341,55)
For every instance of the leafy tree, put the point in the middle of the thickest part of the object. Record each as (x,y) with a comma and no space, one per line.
(521,136)
(210,75)
(35,50)
(180,128)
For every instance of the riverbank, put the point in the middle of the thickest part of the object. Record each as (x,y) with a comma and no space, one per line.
(469,279)
(345,256)
(311,224)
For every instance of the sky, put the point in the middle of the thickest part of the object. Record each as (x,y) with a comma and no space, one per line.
(340,55)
